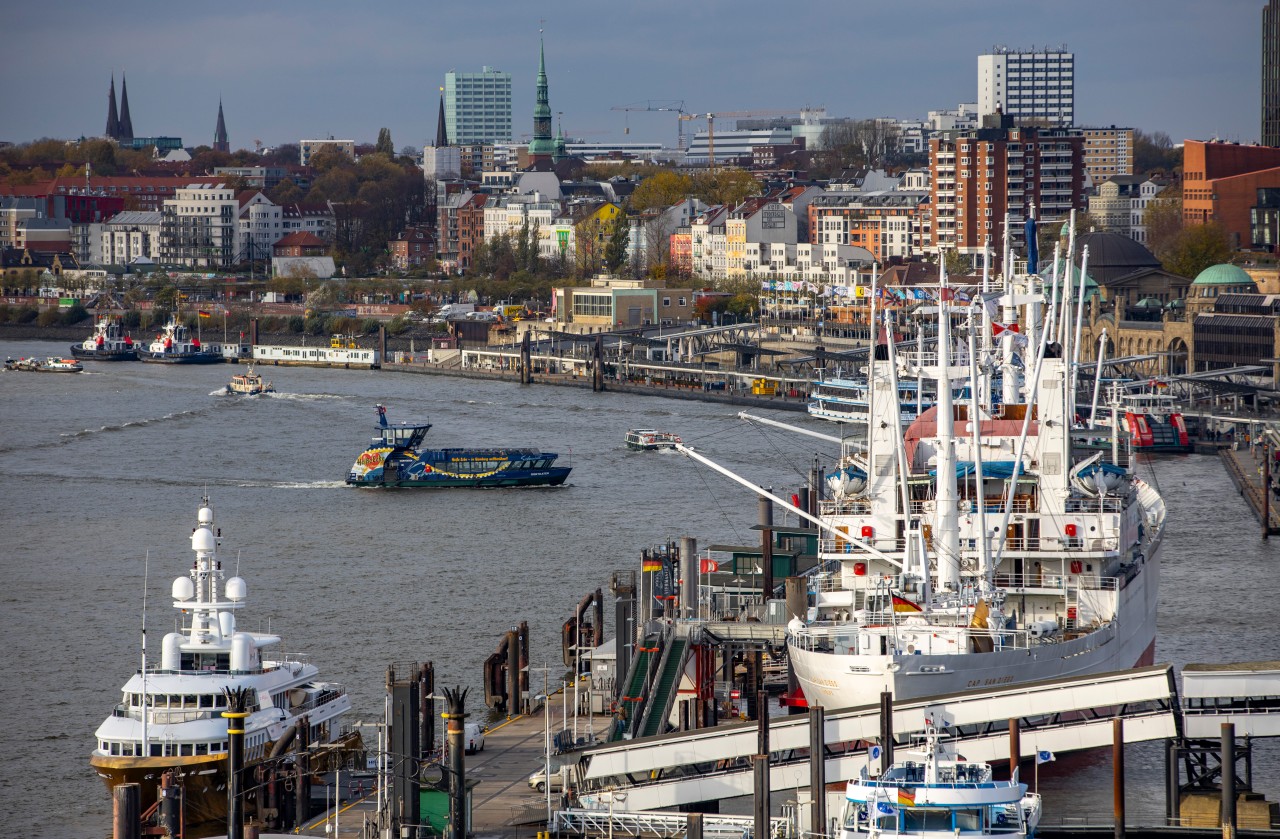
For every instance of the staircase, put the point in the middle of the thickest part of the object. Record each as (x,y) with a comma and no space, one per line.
(662,693)
(631,702)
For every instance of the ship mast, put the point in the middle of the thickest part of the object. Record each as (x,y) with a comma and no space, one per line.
(948,531)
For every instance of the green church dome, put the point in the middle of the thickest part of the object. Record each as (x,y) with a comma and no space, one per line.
(1224,275)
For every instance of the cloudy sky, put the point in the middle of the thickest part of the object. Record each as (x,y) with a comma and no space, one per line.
(290,70)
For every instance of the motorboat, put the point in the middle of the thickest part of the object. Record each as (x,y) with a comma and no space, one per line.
(249,383)
(395,458)
(51,364)
(646,439)
(171,723)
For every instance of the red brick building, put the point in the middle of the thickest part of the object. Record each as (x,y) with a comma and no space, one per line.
(470,229)
(300,244)
(135,192)
(414,246)
(1236,186)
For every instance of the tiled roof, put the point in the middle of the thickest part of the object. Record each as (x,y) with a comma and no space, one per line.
(301,239)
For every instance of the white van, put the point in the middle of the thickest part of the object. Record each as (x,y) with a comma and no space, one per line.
(474,738)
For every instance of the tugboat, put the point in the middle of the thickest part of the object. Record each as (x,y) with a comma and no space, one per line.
(394,460)
(170,718)
(249,383)
(107,343)
(52,364)
(175,345)
(933,793)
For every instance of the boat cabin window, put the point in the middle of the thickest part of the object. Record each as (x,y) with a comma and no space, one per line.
(206,661)
(926,819)
(202,748)
(187,749)
(967,820)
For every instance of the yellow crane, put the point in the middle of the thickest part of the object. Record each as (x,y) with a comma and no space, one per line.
(711,125)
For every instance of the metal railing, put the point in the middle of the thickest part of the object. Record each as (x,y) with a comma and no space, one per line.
(661,825)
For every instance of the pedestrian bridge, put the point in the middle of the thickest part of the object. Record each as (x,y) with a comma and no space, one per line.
(1060,716)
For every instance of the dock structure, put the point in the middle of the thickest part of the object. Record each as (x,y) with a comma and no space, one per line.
(1249,469)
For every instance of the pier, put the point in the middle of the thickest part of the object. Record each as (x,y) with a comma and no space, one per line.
(1250,470)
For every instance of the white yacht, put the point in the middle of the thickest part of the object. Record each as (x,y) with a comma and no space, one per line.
(170,714)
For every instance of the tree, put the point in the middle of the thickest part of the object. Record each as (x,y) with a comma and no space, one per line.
(1163,220)
(855,144)
(384,144)
(285,192)
(661,190)
(1196,247)
(1154,153)
(725,186)
(615,252)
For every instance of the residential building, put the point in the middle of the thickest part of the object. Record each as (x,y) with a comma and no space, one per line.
(13,211)
(1119,204)
(506,215)
(129,237)
(46,235)
(1237,186)
(1271,73)
(979,177)
(477,106)
(413,247)
(1031,86)
(135,192)
(470,235)
(707,244)
(760,222)
(963,118)
(259,225)
(306,148)
(198,227)
(300,244)
(650,242)
(255,177)
(308,217)
(1108,152)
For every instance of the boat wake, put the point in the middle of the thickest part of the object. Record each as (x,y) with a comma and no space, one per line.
(293,484)
(68,436)
(305,397)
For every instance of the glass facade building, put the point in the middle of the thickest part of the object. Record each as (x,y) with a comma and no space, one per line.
(477,106)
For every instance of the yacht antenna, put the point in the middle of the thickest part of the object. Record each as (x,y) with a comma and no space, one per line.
(975,431)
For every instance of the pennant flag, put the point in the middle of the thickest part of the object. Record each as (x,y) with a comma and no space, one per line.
(710,565)
(885,809)
(649,564)
(1044,757)
(205,314)
(920,294)
(795,500)
(902,604)
(906,797)
(963,296)
(997,328)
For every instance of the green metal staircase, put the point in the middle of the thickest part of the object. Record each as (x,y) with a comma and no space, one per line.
(662,694)
(631,702)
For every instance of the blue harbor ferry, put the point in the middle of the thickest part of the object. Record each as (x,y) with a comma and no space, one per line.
(393,459)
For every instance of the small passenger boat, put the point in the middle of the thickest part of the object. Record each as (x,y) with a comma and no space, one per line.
(249,383)
(52,364)
(933,793)
(107,343)
(646,439)
(393,459)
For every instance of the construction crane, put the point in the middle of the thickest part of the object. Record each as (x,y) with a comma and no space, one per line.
(673,105)
(711,126)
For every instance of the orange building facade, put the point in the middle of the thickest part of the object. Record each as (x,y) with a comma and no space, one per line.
(1236,186)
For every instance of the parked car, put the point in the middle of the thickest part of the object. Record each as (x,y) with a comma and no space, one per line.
(475,738)
(538,780)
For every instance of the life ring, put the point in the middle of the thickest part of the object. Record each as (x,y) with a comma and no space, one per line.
(613,707)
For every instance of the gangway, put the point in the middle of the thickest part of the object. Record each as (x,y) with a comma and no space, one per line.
(711,764)
(1246,695)
(596,823)
(663,692)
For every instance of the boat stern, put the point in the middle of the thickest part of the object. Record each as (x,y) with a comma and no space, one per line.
(369,468)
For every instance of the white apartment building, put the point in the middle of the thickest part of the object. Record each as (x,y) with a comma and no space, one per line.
(1028,85)
(260,225)
(707,243)
(130,236)
(198,227)
(441,163)
(506,215)
(477,106)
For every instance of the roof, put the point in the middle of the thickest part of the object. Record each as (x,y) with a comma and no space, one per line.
(301,239)
(1113,255)
(139,218)
(1224,274)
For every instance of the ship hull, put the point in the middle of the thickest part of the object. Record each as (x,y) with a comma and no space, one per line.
(203,779)
(184,358)
(542,477)
(103,355)
(829,679)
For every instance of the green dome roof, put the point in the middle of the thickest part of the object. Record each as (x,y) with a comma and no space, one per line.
(1224,275)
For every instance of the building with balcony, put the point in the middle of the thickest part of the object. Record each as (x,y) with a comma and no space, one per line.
(198,227)
(130,237)
(1108,152)
(1030,86)
(307,148)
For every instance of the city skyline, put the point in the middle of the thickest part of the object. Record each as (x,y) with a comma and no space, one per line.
(1187,68)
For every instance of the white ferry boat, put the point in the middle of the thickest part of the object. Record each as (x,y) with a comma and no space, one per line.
(170,714)
(646,439)
(934,794)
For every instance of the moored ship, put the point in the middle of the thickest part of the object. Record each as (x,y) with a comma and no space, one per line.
(52,364)
(393,459)
(170,716)
(176,345)
(109,342)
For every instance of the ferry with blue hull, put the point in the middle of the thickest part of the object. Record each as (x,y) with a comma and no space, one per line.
(393,459)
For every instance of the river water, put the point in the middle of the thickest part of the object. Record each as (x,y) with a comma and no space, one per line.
(101,474)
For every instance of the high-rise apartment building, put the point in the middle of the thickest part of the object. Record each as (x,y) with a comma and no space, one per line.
(1029,85)
(1271,74)
(1108,152)
(979,176)
(477,106)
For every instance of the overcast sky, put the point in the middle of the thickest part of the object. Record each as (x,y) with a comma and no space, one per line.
(292,70)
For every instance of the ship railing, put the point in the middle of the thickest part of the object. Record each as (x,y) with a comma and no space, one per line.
(174,716)
(848,507)
(838,636)
(321,699)
(1106,504)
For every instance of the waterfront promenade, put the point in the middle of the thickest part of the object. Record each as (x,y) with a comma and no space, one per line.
(1246,468)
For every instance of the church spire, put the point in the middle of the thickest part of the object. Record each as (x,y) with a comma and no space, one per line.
(220,133)
(442,132)
(126,123)
(113,121)
(542,146)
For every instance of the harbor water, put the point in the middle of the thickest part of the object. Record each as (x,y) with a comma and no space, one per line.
(101,474)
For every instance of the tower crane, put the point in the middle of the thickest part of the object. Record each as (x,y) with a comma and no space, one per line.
(673,105)
(711,126)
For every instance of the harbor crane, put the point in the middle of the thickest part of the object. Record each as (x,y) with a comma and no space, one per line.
(673,105)
(711,126)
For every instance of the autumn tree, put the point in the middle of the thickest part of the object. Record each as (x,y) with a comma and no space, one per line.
(1197,247)
(1163,220)
(660,190)
(1154,152)
(725,186)
(615,252)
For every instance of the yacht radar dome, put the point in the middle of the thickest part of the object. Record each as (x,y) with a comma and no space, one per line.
(202,540)
(205,516)
(183,589)
(235,588)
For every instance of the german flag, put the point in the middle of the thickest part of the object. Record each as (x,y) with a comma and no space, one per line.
(205,314)
(649,564)
(906,797)
(902,604)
